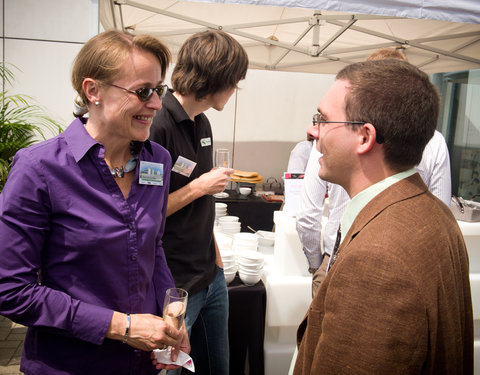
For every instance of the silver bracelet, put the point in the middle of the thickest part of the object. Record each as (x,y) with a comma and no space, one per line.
(127,330)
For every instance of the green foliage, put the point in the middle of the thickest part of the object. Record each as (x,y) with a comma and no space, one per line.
(21,124)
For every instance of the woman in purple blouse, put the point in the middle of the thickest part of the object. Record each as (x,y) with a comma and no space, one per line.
(82,218)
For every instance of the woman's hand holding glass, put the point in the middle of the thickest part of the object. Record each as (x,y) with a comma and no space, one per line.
(147,332)
(183,344)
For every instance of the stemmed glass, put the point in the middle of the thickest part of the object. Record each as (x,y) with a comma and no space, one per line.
(222,160)
(175,306)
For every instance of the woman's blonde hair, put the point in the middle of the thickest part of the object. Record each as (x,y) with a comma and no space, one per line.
(102,57)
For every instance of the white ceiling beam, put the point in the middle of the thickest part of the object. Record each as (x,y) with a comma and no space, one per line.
(285,53)
(412,43)
(332,19)
(217,27)
(458,48)
(336,36)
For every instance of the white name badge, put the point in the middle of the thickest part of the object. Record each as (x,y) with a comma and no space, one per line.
(150,173)
(184,166)
(206,142)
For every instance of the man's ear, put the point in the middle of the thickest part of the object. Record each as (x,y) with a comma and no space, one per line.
(90,88)
(367,138)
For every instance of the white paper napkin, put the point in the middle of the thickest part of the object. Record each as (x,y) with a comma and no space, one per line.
(183,359)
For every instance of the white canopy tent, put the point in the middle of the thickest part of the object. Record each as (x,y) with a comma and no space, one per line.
(317,36)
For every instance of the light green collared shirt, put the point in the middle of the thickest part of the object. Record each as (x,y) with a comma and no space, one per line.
(360,200)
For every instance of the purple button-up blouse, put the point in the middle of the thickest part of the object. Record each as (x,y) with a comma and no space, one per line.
(72,250)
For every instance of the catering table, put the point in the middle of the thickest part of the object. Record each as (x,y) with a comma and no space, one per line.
(252,211)
(246,327)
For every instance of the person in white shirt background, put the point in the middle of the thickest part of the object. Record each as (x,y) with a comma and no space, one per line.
(297,163)
(317,236)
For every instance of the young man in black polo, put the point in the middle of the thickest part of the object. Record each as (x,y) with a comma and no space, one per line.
(209,66)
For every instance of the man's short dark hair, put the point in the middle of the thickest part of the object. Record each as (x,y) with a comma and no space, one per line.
(399,100)
(209,62)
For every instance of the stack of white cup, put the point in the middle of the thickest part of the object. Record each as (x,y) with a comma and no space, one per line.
(229,265)
(250,266)
(220,210)
(229,225)
(249,261)
(224,244)
(245,241)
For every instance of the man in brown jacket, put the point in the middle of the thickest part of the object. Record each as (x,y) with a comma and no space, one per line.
(396,298)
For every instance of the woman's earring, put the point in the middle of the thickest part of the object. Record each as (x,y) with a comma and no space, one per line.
(97,103)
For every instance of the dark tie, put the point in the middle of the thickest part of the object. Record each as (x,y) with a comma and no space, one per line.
(334,256)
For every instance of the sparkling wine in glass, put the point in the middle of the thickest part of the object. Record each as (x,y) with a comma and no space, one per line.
(222,158)
(175,306)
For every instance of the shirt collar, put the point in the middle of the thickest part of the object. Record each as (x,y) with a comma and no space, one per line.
(80,142)
(171,103)
(360,200)
(78,139)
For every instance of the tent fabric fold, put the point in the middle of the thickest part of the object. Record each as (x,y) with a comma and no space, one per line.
(319,36)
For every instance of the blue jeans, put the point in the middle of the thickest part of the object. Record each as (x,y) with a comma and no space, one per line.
(207,326)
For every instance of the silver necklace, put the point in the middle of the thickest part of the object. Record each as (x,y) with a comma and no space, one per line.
(120,171)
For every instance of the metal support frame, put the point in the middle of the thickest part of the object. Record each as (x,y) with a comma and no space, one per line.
(314,23)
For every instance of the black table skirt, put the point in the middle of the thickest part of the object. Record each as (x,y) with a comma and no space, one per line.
(246,327)
(252,211)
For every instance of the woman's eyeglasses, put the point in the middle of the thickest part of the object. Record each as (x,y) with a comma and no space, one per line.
(145,93)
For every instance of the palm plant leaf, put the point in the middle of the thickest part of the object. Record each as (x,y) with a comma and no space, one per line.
(21,124)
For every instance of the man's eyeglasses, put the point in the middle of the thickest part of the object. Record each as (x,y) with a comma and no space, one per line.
(145,93)
(319,119)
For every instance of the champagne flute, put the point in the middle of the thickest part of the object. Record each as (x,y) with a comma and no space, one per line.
(222,160)
(174,307)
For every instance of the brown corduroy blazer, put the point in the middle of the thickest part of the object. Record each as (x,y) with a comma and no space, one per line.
(397,300)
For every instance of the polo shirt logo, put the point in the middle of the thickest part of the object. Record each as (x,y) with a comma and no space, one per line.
(204,142)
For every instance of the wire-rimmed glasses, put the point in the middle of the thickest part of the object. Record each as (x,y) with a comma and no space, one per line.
(319,119)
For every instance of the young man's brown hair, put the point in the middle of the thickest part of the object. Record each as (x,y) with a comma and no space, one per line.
(209,62)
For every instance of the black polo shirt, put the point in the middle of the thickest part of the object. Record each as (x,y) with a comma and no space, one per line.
(188,238)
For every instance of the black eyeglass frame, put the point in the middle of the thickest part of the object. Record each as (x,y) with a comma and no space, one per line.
(317,119)
(145,97)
